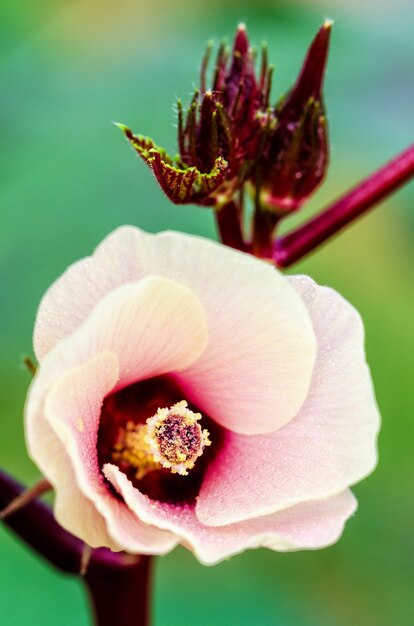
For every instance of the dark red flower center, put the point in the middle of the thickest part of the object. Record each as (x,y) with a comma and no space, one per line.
(125,413)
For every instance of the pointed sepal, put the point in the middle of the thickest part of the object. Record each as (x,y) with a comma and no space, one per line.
(181,184)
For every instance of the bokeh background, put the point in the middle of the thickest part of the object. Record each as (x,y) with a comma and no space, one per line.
(67,178)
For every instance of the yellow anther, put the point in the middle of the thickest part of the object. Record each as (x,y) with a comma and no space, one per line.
(133,450)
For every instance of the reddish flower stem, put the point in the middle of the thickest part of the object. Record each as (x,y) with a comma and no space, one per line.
(120,596)
(264,224)
(118,584)
(228,220)
(360,199)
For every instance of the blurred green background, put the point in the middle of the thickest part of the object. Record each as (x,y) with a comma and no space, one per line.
(68,178)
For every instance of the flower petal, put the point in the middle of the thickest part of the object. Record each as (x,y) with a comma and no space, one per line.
(72,408)
(75,512)
(331,443)
(139,330)
(72,509)
(154,326)
(311,525)
(255,372)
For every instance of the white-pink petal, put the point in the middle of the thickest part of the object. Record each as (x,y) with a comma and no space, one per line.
(256,370)
(72,409)
(75,512)
(312,525)
(151,327)
(72,509)
(330,444)
(145,329)
(154,326)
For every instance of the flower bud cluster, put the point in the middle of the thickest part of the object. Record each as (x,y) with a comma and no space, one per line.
(220,134)
(230,134)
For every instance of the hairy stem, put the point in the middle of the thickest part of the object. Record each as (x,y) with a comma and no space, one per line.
(118,583)
(359,200)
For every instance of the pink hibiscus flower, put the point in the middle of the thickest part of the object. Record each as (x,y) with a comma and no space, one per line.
(189,393)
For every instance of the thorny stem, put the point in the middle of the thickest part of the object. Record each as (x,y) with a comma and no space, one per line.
(360,199)
(117,583)
(27,496)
